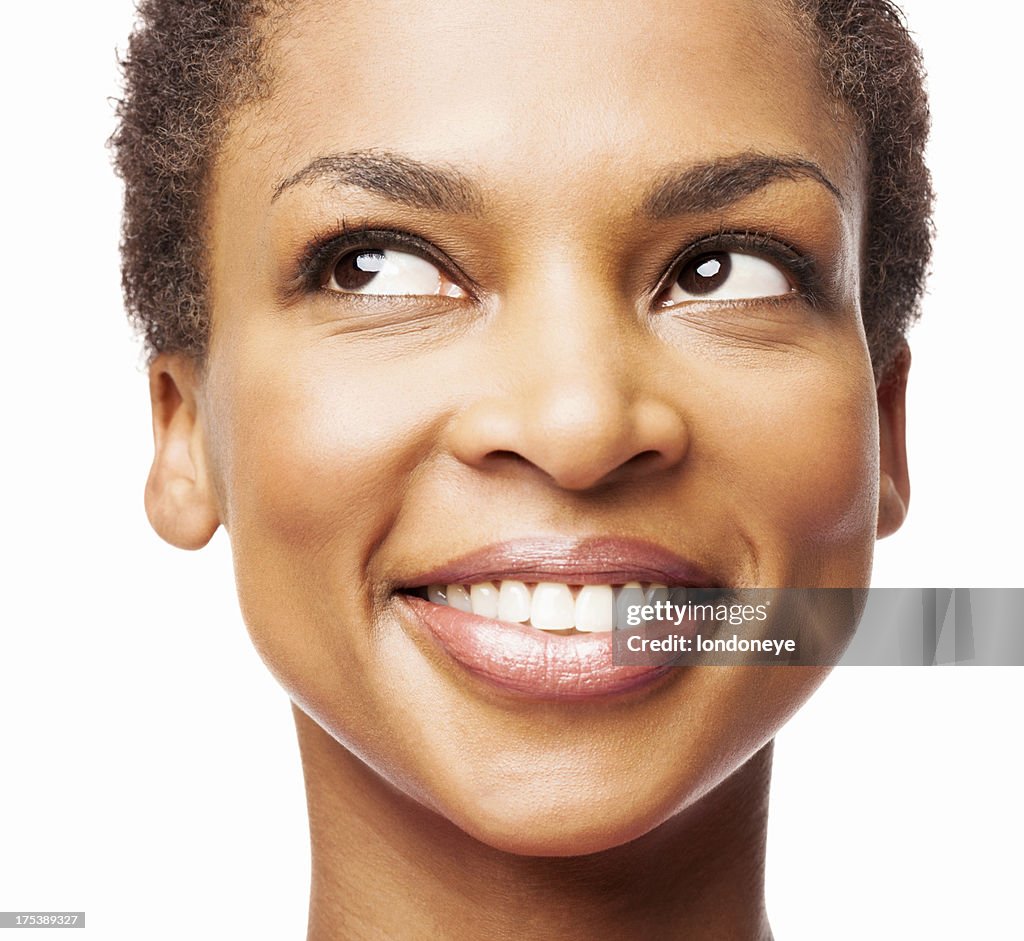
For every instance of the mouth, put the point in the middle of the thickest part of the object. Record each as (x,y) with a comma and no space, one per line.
(537,618)
(559,607)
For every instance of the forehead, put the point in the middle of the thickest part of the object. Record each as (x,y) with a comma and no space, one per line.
(543,93)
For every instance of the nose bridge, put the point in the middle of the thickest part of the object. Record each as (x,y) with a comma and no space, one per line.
(572,393)
(570,337)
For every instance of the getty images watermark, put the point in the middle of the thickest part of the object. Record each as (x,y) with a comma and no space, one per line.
(820,627)
(696,612)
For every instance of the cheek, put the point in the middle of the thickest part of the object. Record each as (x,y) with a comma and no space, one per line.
(806,451)
(315,453)
(311,456)
(830,490)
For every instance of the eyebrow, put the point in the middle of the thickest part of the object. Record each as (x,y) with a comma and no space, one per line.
(705,187)
(394,176)
(702,187)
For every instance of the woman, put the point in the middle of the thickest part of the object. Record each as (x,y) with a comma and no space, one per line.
(465,320)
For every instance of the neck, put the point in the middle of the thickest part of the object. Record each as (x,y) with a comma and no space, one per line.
(384,866)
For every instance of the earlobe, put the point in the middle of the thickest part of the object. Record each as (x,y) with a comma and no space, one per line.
(180,498)
(894,476)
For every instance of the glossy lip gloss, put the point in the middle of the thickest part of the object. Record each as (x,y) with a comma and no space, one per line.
(524,660)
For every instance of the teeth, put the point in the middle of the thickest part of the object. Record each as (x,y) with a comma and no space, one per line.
(625,597)
(656,594)
(458,597)
(485,599)
(679,596)
(594,606)
(513,602)
(552,608)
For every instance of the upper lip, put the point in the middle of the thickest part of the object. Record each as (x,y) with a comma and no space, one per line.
(602,560)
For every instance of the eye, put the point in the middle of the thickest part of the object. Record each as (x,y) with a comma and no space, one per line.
(389,272)
(725,276)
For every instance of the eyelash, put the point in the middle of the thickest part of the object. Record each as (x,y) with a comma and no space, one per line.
(324,251)
(799,267)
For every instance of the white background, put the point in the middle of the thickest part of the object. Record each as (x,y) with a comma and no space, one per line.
(147,762)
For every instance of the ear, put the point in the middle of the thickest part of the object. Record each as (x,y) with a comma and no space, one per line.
(894,478)
(180,500)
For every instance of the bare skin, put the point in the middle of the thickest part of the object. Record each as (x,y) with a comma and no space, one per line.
(536,371)
(700,875)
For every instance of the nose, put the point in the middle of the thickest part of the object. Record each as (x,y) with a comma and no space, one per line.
(577,393)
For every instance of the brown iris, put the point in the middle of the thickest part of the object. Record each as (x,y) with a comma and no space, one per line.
(357,269)
(705,273)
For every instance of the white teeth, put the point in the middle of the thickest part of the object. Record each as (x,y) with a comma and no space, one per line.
(594,606)
(656,594)
(552,608)
(513,602)
(485,599)
(630,594)
(458,597)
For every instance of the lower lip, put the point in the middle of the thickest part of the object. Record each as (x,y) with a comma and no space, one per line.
(521,659)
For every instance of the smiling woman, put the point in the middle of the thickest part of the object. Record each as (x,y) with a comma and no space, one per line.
(465,358)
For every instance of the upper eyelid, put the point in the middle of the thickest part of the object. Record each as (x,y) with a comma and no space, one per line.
(751,243)
(791,260)
(325,251)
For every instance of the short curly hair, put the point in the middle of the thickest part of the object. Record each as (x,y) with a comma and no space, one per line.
(191,64)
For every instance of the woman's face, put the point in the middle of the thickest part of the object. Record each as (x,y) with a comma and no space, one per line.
(520,293)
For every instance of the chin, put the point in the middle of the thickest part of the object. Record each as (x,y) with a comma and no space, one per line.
(561,815)
(566,828)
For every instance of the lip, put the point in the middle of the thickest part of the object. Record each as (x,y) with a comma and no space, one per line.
(523,660)
(604,560)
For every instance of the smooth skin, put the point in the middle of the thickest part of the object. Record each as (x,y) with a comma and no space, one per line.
(347,443)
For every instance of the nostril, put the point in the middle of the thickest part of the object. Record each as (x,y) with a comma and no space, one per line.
(579,445)
(647,460)
(644,459)
(506,457)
